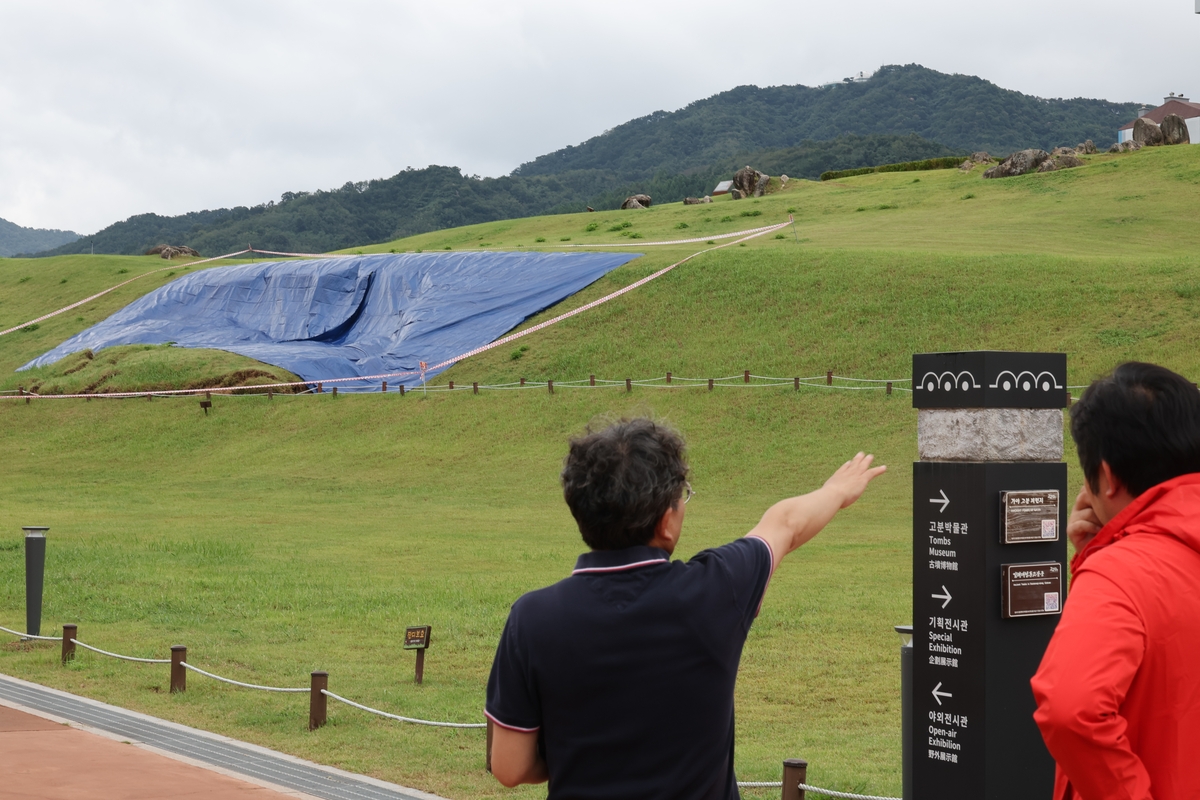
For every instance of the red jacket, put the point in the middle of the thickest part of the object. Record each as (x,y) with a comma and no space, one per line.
(1118,690)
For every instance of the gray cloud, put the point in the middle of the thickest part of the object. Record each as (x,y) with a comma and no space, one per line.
(113,109)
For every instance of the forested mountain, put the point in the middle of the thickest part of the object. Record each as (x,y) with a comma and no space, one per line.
(16,239)
(960,111)
(900,113)
(419,200)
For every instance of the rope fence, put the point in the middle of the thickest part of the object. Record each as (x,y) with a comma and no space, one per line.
(319,693)
(29,635)
(318,690)
(118,655)
(413,720)
(744,381)
(232,682)
(804,787)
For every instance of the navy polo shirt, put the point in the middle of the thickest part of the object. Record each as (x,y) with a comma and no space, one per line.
(626,670)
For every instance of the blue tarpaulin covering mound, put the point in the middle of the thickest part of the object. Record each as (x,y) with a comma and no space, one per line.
(348,317)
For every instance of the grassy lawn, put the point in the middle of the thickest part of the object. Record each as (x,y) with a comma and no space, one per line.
(277,537)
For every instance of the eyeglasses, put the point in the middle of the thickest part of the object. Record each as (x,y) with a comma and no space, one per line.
(690,491)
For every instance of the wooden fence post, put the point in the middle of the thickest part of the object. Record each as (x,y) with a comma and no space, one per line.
(829,377)
(178,672)
(317,702)
(451,385)
(591,380)
(402,390)
(475,386)
(889,387)
(550,386)
(668,377)
(746,376)
(796,384)
(335,391)
(522,381)
(710,384)
(68,647)
(629,384)
(795,772)
(384,387)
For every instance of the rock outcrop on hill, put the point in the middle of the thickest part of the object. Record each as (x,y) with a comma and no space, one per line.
(695,201)
(171,250)
(1087,148)
(1174,130)
(1146,133)
(1127,146)
(980,157)
(636,201)
(1061,161)
(1018,163)
(749,182)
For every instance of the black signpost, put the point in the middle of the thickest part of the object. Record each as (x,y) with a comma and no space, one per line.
(989,563)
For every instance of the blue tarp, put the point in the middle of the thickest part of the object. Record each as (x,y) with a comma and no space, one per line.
(346,317)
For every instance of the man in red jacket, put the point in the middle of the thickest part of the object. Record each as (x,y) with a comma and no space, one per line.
(1118,690)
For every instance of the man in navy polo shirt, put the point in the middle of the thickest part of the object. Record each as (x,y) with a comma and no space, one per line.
(617,682)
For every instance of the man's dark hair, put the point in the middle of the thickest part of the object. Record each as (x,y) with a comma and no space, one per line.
(1144,420)
(619,481)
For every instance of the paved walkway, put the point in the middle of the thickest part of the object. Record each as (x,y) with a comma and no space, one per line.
(46,760)
(59,746)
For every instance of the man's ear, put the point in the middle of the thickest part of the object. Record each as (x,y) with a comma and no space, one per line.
(666,533)
(1110,485)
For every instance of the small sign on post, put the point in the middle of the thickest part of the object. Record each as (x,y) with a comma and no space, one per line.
(417,638)
(1029,516)
(1029,590)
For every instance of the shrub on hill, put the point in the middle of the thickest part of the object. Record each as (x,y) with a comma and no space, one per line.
(948,162)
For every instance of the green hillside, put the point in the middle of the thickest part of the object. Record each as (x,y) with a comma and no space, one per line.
(901,113)
(276,537)
(415,201)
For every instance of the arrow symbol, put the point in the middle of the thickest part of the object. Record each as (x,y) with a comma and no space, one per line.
(946,597)
(939,695)
(945,501)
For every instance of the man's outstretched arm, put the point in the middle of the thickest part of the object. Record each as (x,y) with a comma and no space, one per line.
(515,758)
(792,522)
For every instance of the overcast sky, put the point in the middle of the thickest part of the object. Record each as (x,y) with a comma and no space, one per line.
(109,109)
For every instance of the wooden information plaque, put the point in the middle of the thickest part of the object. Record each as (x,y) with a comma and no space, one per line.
(417,638)
(1030,590)
(1027,516)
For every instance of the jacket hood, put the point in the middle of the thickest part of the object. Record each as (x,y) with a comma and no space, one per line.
(1171,508)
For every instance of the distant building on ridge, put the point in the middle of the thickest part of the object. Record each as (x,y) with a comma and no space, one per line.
(1173,103)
